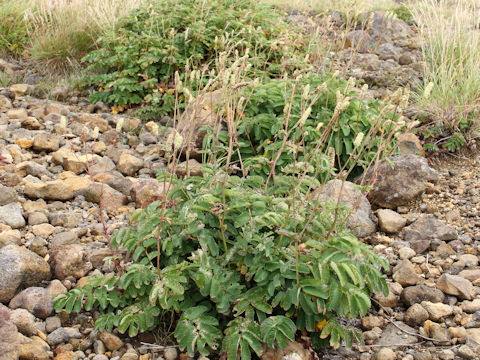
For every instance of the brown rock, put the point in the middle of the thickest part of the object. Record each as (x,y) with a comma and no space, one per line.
(435,331)
(69,260)
(115,180)
(405,274)
(437,311)
(34,348)
(111,199)
(146,191)
(36,300)
(128,164)
(427,228)
(111,341)
(409,144)
(457,286)
(416,294)
(416,315)
(389,221)
(46,142)
(9,337)
(369,322)
(50,190)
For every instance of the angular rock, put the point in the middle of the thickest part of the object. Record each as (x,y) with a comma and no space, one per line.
(24,321)
(50,190)
(111,199)
(473,335)
(189,168)
(359,40)
(399,185)
(435,331)
(46,142)
(64,238)
(416,294)
(146,191)
(427,228)
(37,218)
(73,162)
(437,311)
(112,342)
(392,300)
(62,335)
(115,180)
(405,274)
(457,286)
(389,221)
(20,268)
(37,300)
(11,215)
(392,336)
(65,219)
(360,221)
(128,164)
(7,195)
(9,337)
(471,306)
(69,260)
(43,230)
(34,348)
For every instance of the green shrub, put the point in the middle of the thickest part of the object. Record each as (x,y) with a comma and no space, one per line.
(135,63)
(13,27)
(239,266)
(263,135)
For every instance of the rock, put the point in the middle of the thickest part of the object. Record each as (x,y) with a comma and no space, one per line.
(170,354)
(466,352)
(32,168)
(427,228)
(457,332)
(385,354)
(64,238)
(406,253)
(105,164)
(199,113)
(62,335)
(416,294)
(7,195)
(20,268)
(388,51)
(473,335)
(293,351)
(20,89)
(100,357)
(369,322)
(391,335)
(37,218)
(359,40)
(457,286)
(129,356)
(93,121)
(67,355)
(360,221)
(56,288)
(389,221)
(69,260)
(77,184)
(437,311)
(37,300)
(392,299)
(188,168)
(128,164)
(73,162)
(43,230)
(399,185)
(416,315)
(111,199)
(34,348)
(9,337)
(471,306)
(65,219)
(11,215)
(116,181)
(112,342)
(17,114)
(409,144)
(52,324)
(435,331)
(469,260)
(50,190)
(405,274)
(10,237)
(24,321)
(146,191)
(46,142)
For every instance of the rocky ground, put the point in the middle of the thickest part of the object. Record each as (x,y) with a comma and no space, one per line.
(59,160)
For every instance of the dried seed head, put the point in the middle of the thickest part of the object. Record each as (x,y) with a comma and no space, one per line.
(358,139)
(335,74)
(428,90)
(96,131)
(155,129)
(305,115)
(63,122)
(119,125)
(306,92)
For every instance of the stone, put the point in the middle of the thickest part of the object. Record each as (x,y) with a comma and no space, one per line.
(435,331)
(360,221)
(20,268)
(105,164)
(52,323)
(406,253)
(67,355)
(360,41)
(50,190)
(24,143)
(128,164)
(31,123)
(416,294)
(36,300)
(427,228)
(77,185)
(146,191)
(73,162)
(93,121)
(9,337)
(401,183)
(112,342)
(437,311)
(389,221)
(34,348)
(115,180)
(24,321)
(63,334)
(388,51)
(43,230)
(369,322)
(69,260)
(385,354)
(46,142)
(20,89)
(110,198)
(457,332)
(56,288)
(466,352)
(65,219)
(32,168)
(170,353)
(473,335)
(392,300)
(191,167)
(416,315)
(19,113)
(391,335)
(64,238)
(7,195)
(405,274)
(469,260)
(37,218)
(470,306)
(11,215)
(457,286)
(409,144)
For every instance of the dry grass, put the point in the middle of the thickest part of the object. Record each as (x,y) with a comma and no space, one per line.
(344,6)
(452,52)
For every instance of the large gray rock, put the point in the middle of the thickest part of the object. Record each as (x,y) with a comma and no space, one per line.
(37,300)
(9,336)
(360,220)
(416,294)
(62,335)
(11,215)
(427,228)
(20,268)
(398,181)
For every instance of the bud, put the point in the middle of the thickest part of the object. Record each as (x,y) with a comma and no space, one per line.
(119,126)
(358,139)
(63,122)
